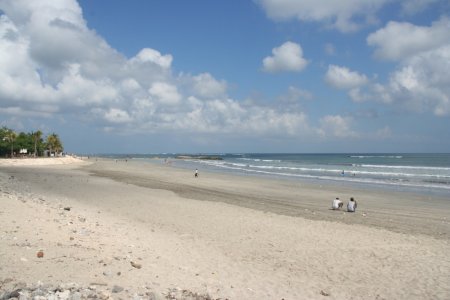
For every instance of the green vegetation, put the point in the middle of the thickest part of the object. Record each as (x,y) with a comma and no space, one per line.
(11,143)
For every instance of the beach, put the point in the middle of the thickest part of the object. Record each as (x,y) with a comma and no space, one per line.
(133,229)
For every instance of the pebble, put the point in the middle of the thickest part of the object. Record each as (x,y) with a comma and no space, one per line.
(107,273)
(136,265)
(117,289)
(73,291)
(63,295)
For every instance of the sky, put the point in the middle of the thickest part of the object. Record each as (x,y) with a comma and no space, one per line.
(202,76)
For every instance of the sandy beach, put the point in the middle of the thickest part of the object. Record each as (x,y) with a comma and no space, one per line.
(124,230)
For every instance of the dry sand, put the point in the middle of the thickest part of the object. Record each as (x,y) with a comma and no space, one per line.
(228,237)
(40,161)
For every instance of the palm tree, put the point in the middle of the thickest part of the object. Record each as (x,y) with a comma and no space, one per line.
(11,137)
(54,143)
(37,138)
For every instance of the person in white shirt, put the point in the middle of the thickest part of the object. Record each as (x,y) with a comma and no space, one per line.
(337,204)
(351,206)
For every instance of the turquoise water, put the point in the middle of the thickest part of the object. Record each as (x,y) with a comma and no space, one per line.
(405,171)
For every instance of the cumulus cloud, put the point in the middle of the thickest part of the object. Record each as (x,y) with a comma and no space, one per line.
(336,126)
(206,86)
(344,78)
(153,56)
(115,115)
(165,93)
(52,65)
(341,15)
(287,57)
(423,84)
(421,81)
(397,40)
(293,97)
(357,95)
(410,7)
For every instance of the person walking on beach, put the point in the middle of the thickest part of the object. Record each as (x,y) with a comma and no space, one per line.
(196,173)
(337,204)
(351,206)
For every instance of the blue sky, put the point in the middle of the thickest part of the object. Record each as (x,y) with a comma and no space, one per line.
(228,76)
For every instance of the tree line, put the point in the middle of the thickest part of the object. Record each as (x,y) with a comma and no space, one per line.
(13,143)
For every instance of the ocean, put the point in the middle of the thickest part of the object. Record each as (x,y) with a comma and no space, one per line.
(425,173)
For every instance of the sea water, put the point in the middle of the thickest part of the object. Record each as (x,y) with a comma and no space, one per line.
(406,171)
(426,173)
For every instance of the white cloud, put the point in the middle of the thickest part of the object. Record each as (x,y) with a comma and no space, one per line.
(294,96)
(410,7)
(287,57)
(165,93)
(115,115)
(153,56)
(398,41)
(271,121)
(357,96)
(344,78)
(53,66)
(22,10)
(81,91)
(130,85)
(336,126)
(341,14)
(206,86)
(421,82)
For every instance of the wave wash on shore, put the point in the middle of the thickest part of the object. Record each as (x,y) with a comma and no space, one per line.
(429,173)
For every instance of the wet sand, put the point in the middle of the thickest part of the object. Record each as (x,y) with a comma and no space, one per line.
(396,211)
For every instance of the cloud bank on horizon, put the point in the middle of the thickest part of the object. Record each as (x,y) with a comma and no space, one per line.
(53,65)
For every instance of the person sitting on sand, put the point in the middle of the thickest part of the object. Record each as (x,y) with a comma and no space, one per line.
(337,204)
(351,206)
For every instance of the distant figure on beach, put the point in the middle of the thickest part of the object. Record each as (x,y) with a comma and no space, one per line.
(337,204)
(196,173)
(351,206)
(342,173)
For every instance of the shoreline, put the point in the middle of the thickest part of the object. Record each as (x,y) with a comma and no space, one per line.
(350,182)
(385,209)
(215,236)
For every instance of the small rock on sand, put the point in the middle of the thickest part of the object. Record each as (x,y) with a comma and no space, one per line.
(136,265)
(117,289)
